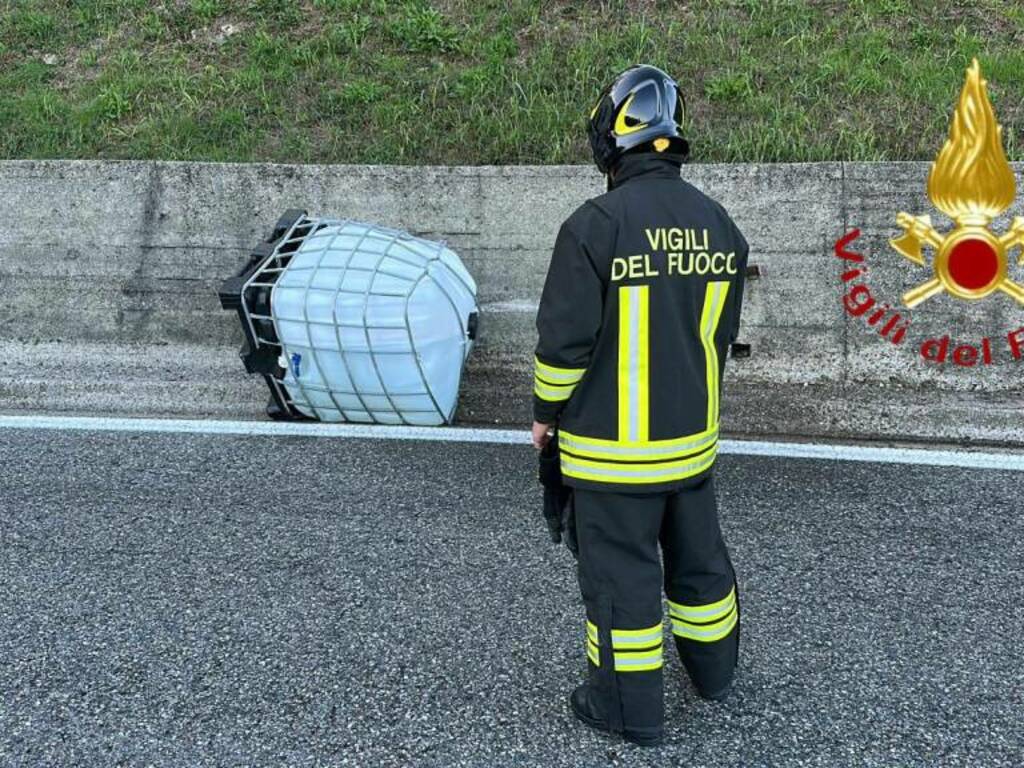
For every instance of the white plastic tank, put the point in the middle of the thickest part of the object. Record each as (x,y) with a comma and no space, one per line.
(374,325)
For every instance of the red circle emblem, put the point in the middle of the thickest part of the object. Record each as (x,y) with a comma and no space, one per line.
(973,264)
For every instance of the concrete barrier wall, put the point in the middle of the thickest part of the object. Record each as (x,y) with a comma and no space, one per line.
(109,271)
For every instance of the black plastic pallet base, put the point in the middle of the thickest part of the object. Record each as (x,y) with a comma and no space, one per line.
(262,359)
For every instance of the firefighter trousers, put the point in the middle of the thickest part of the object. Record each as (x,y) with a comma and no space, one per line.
(620,576)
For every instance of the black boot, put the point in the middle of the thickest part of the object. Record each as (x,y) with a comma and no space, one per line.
(720,695)
(586,705)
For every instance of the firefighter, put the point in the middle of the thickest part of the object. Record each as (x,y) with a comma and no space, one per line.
(641,302)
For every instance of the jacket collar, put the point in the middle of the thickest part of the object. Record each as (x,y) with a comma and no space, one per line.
(647,165)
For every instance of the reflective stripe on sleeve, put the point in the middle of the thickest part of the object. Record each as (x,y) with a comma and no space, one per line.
(552,393)
(554,384)
(557,375)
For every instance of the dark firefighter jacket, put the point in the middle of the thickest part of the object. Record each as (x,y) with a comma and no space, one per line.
(641,302)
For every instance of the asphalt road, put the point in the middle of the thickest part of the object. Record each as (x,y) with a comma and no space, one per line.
(216,600)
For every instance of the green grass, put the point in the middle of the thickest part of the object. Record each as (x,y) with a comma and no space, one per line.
(461,81)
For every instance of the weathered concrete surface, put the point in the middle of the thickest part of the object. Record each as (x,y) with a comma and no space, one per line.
(109,270)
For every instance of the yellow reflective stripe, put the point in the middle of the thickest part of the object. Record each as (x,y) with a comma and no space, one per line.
(714,302)
(625,634)
(640,667)
(593,641)
(555,375)
(554,394)
(634,363)
(648,451)
(654,472)
(708,612)
(632,457)
(643,365)
(636,638)
(623,640)
(706,633)
(600,442)
(625,355)
(633,661)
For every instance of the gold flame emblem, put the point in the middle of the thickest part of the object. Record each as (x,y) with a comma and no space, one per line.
(972,183)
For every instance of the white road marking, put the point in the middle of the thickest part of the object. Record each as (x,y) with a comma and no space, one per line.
(823,451)
(513,307)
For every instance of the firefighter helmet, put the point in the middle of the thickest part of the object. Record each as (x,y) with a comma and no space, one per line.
(642,105)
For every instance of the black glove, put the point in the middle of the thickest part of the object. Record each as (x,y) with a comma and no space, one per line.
(559,512)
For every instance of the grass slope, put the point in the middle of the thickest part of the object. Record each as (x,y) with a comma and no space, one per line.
(454,81)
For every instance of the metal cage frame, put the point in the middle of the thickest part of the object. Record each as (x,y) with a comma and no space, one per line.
(250,293)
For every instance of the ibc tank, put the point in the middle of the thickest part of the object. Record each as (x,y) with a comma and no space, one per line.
(353,322)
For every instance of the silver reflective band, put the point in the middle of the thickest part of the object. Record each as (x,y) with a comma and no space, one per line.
(557,375)
(643,661)
(638,471)
(715,631)
(636,640)
(716,608)
(680,445)
(554,393)
(701,613)
(634,363)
